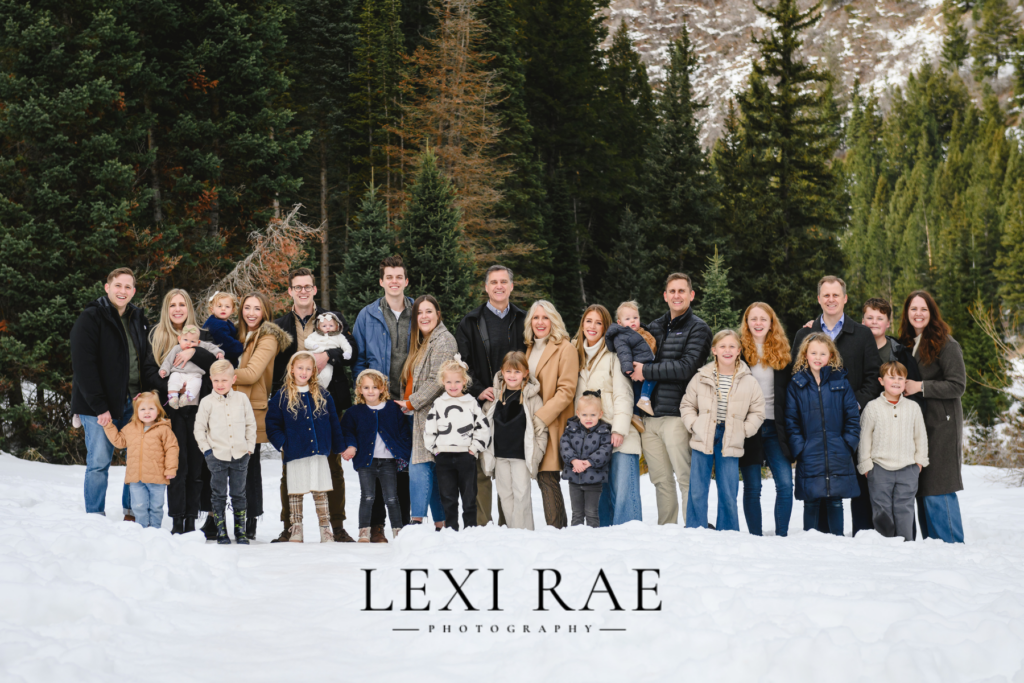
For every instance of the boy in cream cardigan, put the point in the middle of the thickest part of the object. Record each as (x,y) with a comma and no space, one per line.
(893,437)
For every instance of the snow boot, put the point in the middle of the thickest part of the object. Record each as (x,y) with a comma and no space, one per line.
(341,536)
(394,531)
(377,534)
(323,515)
(190,524)
(250,529)
(210,528)
(638,423)
(295,515)
(285,536)
(129,517)
(222,529)
(364,535)
(241,537)
(644,404)
(177,525)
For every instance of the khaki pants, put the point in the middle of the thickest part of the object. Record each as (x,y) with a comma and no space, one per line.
(335,498)
(484,498)
(666,445)
(512,480)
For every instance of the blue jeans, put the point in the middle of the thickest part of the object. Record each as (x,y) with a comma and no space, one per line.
(620,496)
(99,451)
(727,478)
(782,473)
(423,491)
(148,503)
(940,518)
(833,508)
(647,388)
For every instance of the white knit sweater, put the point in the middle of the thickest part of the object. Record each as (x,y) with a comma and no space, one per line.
(892,436)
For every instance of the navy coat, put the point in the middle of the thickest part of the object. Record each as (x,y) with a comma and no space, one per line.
(362,424)
(629,346)
(305,434)
(823,425)
(225,335)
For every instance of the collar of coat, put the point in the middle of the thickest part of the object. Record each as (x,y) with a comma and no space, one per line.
(828,374)
(478,312)
(375,311)
(707,373)
(284,339)
(531,389)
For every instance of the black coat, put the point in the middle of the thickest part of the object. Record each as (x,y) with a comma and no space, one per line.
(99,358)
(475,345)
(753,449)
(857,347)
(339,389)
(683,347)
(629,346)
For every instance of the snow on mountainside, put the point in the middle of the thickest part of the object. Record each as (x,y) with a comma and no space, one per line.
(879,41)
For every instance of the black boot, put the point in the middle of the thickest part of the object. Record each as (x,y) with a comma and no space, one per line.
(178,525)
(222,529)
(240,534)
(250,529)
(190,524)
(210,528)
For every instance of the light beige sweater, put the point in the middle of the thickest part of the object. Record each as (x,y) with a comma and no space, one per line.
(892,436)
(226,425)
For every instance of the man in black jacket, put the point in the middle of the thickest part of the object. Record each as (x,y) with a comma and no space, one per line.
(684,341)
(484,336)
(857,348)
(300,322)
(109,350)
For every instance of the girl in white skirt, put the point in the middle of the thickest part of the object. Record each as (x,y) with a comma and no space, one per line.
(303,424)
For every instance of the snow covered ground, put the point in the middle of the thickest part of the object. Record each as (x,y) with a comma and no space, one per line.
(88,598)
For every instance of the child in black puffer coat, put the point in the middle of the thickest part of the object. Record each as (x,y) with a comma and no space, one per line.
(632,343)
(586,450)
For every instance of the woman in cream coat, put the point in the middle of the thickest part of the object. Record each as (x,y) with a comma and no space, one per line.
(600,371)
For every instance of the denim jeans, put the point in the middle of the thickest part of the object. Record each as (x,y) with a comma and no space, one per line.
(423,492)
(99,451)
(727,479)
(782,473)
(620,495)
(940,518)
(148,503)
(225,476)
(833,507)
(647,388)
(385,471)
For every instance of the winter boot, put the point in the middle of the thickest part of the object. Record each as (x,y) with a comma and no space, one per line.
(295,515)
(644,404)
(394,531)
(222,529)
(240,536)
(250,529)
(377,534)
(190,524)
(364,535)
(177,525)
(341,536)
(285,536)
(210,528)
(129,517)
(323,515)
(638,423)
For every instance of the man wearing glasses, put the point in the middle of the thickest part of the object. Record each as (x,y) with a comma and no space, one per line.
(300,322)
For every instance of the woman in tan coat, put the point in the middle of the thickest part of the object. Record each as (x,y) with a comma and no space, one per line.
(555,362)
(262,340)
(600,370)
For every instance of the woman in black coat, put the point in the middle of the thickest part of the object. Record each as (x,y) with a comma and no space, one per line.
(944,380)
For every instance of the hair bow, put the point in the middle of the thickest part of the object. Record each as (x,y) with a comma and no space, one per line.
(458,359)
(595,394)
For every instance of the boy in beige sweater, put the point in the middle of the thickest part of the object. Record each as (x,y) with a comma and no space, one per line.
(893,437)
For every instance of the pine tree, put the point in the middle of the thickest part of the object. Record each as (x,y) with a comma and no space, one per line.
(564,237)
(1010,263)
(629,275)
(956,48)
(369,243)
(432,242)
(716,298)
(994,40)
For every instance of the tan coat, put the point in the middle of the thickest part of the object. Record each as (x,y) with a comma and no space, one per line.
(226,425)
(744,412)
(558,371)
(535,440)
(255,374)
(152,453)
(604,374)
(441,347)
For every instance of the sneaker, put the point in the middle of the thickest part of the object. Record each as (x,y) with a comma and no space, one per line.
(364,535)
(644,404)
(638,423)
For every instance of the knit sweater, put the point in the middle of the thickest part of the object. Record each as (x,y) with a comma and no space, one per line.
(892,436)
(456,425)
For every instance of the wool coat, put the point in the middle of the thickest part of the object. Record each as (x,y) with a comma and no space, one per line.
(558,372)
(255,374)
(744,410)
(629,346)
(535,438)
(307,432)
(361,426)
(475,343)
(945,381)
(603,374)
(441,347)
(684,343)
(580,443)
(152,453)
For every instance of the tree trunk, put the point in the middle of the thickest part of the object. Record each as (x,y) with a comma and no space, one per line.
(325,297)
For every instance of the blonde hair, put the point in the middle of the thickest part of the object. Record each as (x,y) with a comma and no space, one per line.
(454,365)
(153,398)
(776,346)
(163,337)
(189,329)
(580,340)
(217,296)
(835,360)
(418,342)
(379,381)
(589,398)
(222,367)
(291,388)
(626,304)
(558,332)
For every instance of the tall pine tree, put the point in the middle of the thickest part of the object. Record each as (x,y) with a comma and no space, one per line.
(369,243)
(716,298)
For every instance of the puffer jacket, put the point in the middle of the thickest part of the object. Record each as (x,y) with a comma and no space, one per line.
(580,443)
(307,433)
(255,374)
(683,347)
(744,410)
(823,425)
(629,346)
(535,439)
(602,374)
(152,453)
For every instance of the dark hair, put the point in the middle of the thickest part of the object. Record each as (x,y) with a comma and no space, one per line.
(300,272)
(880,305)
(496,267)
(118,272)
(393,262)
(417,346)
(266,308)
(679,276)
(934,337)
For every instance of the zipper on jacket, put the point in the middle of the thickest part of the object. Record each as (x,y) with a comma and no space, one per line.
(824,437)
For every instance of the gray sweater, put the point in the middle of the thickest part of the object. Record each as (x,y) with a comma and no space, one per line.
(188,368)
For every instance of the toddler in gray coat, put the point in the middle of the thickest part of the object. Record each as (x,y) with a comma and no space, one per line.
(586,450)
(633,344)
(188,375)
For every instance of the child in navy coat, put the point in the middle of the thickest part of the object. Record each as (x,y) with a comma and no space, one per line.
(378,437)
(220,327)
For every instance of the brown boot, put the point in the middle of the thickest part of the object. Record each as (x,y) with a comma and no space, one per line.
(341,536)
(129,517)
(638,423)
(377,534)
(285,536)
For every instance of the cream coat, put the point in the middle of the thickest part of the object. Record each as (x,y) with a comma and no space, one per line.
(226,425)
(744,413)
(255,374)
(605,374)
(535,439)
(558,371)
